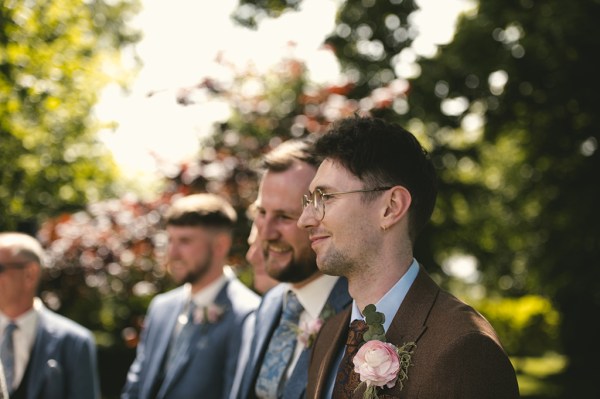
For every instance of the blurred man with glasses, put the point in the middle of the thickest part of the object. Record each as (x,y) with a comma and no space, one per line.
(372,195)
(44,355)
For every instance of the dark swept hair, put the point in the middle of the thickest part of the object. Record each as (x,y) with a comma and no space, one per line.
(384,154)
(201,210)
(283,156)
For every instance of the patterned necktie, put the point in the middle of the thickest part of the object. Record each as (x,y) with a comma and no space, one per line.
(183,338)
(271,379)
(346,379)
(7,355)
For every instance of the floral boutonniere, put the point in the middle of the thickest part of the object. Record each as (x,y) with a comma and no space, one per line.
(379,363)
(307,331)
(209,314)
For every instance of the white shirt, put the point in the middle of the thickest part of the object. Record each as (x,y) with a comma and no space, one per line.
(313,298)
(23,337)
(203,298)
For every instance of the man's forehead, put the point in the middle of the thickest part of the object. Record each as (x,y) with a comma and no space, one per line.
(186,231)
(278,206)
(330,174)
(293,179)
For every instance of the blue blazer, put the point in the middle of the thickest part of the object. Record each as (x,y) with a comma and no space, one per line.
(208,367)
(63,362)
(267,319)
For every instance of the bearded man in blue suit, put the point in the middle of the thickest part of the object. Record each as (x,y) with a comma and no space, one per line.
(191,337)
(44,355)
(276,367)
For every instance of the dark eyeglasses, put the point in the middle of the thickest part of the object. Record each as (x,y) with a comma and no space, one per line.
(12,265)
(318,197)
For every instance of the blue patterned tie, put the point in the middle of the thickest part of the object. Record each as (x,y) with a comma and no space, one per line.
(271,379)
(7,355)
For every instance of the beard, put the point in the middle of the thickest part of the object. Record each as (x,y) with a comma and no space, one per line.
(296,270)
(199,270)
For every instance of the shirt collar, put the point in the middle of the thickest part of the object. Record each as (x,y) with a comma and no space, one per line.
(313,295)
(208,294)
(391,301)
(27,322)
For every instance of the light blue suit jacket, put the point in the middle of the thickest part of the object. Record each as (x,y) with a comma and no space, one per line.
(208,367)
(63,362)
(267,319)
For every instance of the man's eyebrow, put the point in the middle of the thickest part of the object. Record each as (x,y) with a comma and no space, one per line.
(323,188)
(280,212)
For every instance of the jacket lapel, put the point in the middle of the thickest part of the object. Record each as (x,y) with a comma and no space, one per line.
(410,320)
(324,356)
(198,340)
(266,322)
(43,349)
(159,354)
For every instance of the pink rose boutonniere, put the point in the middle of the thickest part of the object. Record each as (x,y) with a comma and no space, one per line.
(307,331)
(379,363)
(208,314)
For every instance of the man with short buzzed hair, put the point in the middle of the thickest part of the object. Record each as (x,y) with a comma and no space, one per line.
(192,334)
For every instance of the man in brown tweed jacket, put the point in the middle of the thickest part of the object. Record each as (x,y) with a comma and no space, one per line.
(372,195)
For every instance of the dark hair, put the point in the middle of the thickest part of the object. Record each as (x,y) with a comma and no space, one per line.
(384,154)
(283,156)
(202,210)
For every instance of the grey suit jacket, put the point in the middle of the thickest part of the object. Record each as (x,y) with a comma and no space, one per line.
(208,367)
(458,354)
(3,389)
(63,361)
(267,319)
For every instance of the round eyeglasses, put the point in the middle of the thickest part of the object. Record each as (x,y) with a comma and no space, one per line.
(318,197)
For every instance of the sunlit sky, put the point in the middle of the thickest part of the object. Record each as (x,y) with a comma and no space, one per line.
(181,40)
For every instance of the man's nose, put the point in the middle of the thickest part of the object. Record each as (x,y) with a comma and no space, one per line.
(307,219)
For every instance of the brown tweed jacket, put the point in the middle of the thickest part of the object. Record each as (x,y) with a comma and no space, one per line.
(458,354)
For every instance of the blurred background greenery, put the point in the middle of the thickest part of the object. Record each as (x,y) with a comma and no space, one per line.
(508,110)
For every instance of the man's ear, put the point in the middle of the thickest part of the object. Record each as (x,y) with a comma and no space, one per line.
(33,274)
(222,244)
(397,203)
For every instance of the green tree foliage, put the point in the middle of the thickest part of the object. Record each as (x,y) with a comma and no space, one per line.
(251,12)
(508,110)
(527,326)
(55,56)
(527,70)
(105,263)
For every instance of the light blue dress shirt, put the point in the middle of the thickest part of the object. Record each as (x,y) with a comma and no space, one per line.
(388,305)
